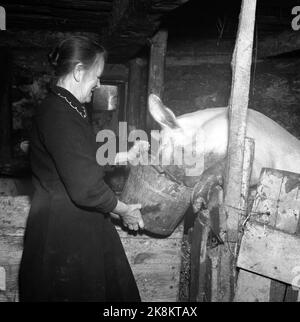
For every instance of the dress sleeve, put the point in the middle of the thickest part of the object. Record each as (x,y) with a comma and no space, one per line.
(70,145)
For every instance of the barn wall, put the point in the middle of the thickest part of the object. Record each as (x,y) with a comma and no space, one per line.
(198,77)
(193,80)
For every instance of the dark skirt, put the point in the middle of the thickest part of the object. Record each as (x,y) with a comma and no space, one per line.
(72,254)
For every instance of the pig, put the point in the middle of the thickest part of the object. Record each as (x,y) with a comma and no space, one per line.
(274,146)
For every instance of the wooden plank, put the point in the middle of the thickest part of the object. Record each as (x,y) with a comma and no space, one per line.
(37,40)
(155,263)
(252,288)
(270,252)
(10,256)
(13,215)
(96,5)
(157,69)
(281,210)
(276,204)
(52,12)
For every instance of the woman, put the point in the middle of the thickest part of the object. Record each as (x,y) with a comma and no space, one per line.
(72,251)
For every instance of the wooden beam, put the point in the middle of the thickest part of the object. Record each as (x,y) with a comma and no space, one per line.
(53,23)
(132,25)
(95,5)
(124,32)
(54,11)
(241,69)
(278,44)
(270,252)
(135,91)
(157,69)
(241,66)
(5,106)
(129,28)
(166,5)
(144,96)
(37,39)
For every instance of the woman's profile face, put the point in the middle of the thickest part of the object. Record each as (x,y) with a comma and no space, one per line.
(91,80)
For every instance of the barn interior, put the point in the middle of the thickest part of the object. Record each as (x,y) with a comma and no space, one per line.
(200,38)
(200,41)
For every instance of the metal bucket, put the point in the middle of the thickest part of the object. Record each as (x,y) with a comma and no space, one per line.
(164,199)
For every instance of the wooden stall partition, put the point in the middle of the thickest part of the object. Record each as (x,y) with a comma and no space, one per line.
(155,263)
(277,208)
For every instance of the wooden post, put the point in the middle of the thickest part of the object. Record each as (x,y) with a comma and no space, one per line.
(5,107)
(157,69)
(241,72)
(135,92)
(241,66)
(144,95)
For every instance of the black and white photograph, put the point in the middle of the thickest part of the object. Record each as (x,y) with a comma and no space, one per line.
(149,154)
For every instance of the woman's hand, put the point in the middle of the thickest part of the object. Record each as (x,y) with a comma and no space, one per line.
(132,218)
(139,152)
(130,215)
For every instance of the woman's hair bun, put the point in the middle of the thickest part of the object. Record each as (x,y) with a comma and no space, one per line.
(73,50)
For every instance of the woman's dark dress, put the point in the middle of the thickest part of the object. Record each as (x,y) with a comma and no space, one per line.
(72,251)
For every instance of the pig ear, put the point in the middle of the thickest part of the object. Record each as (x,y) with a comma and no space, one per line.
(161,114)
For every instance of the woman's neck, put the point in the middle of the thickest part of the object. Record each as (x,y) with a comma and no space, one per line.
(69,86)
